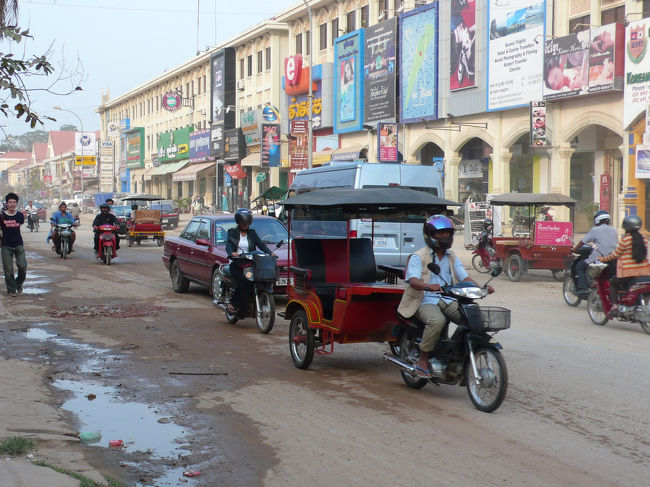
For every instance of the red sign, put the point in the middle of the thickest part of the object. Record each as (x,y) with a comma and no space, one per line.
(558,234)
(47,178)
(605,196)
(299,127)
(235,171)
(293,69)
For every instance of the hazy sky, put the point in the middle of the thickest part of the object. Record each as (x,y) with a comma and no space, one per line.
(121,44)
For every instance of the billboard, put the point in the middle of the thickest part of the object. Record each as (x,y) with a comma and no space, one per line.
(515,52)
(299,145)
(295,103)
(380,72)
(387,142)
(462,47)
(418,90)
(135,148)
(174,145)
(199,146)
(270,145)
(249,122)
(85,144)
(216,141)
(218,83)
(233,145)
(538,124)
(636,94)
(348,82)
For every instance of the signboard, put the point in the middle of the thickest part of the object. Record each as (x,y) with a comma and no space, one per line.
(605,192)
(470,169)
(235,171)
(85,160)
(295,103)
(199,146)
(106,152)
(113,129)
(462,48)
(174,145)
(172,101)
(298,145)
(636,94)
(515,53)
(418,91)
(47,178)
(387,141)
(606,58)
(380,72)
(233,148)
(125,124)
(557,234)
(270,114)
(217,87)
(250,126)
(642,162)
(261,176)
(216,141)
(76,180)
(135,148)
(270,145)
(85,143)
(348,82)
(538,124)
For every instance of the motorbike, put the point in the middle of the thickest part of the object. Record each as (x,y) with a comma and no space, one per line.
(484,256)
(65,236)
(32,222)
(470,357)
(107,243)
(570,283)
(260,274)
(633,304)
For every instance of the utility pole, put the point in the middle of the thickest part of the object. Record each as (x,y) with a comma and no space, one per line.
(310,128)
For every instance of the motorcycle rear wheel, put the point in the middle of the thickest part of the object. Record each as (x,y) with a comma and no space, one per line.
(595,308)
(645,326)
(477,263)
(409,353)
(569,291)
(491,390)
(266,320)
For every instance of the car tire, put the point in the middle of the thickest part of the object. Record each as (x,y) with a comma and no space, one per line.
(179,283)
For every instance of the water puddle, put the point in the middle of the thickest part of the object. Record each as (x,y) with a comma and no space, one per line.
(39,334)
(27,289)
(34,280)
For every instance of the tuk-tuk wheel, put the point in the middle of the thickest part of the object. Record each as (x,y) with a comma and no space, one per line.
(514,267)
(130,242)
(301,340)
(161,240)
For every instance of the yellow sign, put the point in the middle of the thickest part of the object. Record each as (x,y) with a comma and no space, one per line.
(85,161)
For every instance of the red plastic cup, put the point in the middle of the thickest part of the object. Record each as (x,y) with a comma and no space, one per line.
(116,443)
(191,473)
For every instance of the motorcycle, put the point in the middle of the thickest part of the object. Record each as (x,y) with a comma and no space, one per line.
(32,221)
(570,283)
(107,243)
(65,236)
(260,273)
(485,257)
(633,304)
(471,357)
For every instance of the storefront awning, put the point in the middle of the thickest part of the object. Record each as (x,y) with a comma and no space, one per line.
(321,157)
(352,152)
(169,168)
(253,159)
(190,172)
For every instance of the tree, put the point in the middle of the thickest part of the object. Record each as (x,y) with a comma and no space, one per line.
(23,142)
(68,127)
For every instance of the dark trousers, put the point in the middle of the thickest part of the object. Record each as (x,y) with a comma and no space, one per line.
(117,241)
(242,288)
(581,278)
(12,281)
(57,240)
(617,284)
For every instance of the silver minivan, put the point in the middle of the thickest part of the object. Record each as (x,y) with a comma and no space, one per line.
(394,240)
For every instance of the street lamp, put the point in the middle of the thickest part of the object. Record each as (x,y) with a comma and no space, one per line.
(57,107)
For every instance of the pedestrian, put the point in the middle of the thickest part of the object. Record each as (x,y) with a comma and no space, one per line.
(12,245)
(196,205)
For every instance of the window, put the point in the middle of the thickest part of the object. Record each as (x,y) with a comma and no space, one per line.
(308,42)
(351,21)
(298,43)
(241,68)
(250,65)
(335,29)
(577,24)
(198,86)
(191,230)
(611,15)
(260,65)
(365,16)
(205,81)
(192,88)
(646,8)
(268,58)
(323,36)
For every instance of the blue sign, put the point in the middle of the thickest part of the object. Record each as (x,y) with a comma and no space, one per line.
(125,124)
(349,82)
(227,179)
(199,146)
(271,114)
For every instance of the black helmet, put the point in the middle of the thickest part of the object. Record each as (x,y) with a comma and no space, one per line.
(434,224)
(487,223)
(632,222)
(243,216)
(601,217)
(104,205)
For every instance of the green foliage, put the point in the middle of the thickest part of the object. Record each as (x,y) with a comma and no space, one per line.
(16,445)
(67,127)
(183,203)
(83,480)
(23,142)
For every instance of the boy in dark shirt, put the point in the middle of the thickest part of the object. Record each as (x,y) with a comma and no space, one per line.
(12,245)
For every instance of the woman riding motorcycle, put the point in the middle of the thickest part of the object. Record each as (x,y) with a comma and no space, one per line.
(241,239)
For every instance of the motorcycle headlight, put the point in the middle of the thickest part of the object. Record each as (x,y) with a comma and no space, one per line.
(470,292)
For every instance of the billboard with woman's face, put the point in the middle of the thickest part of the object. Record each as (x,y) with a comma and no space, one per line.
(348,83)
(347,90)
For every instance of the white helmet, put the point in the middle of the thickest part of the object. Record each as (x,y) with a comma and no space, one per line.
(601,217)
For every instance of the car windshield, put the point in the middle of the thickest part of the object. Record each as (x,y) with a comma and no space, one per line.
(121,210)
(270,230)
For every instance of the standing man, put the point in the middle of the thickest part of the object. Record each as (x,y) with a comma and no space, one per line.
(12,245)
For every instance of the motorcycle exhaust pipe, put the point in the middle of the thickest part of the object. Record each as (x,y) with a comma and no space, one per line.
(392,359)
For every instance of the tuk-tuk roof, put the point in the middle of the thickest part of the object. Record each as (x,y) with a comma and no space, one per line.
(532,199)
(272,193)
(367,198)
(142,197)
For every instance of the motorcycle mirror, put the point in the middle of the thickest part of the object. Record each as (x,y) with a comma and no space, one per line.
(433,267)
(279,244)
(496,271)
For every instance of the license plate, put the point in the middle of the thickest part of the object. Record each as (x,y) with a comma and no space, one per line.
(165,221)
(282,281)
(383,242)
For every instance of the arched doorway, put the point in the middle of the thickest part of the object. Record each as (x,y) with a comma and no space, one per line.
(525,174)
(474,170)
(430,153)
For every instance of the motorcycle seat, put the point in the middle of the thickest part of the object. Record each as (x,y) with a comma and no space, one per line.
(412,321)
(641,280)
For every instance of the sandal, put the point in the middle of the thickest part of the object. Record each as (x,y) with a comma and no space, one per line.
(422,373)
(231,309)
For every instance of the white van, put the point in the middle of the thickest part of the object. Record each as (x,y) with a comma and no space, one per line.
(394,240)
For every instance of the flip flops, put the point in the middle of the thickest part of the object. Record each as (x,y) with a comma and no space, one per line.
(422,373)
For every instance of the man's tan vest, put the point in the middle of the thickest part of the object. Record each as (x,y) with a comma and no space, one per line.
(412,298)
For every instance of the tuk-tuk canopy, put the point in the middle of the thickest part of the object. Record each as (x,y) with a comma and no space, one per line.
(272,193)
(532,199)
(143,197)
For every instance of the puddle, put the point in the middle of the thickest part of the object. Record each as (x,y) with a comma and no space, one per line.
(39,334)
(27,289)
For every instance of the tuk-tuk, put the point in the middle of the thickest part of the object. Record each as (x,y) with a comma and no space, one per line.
(144,224)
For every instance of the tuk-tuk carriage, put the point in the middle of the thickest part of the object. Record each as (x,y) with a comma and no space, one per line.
(144,224)
(536,244)
(335,296)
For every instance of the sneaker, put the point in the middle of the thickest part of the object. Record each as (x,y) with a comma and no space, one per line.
(20,290)
(13,294)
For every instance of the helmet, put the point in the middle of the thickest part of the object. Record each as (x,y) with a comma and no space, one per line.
(243,216)
(601,217)
(632,222)
(487,223)
(104,205)
(434,224)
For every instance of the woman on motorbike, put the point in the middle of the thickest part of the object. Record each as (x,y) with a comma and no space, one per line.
(241,239)
(632,255)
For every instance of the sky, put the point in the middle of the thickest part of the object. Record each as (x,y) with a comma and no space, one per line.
(120,44)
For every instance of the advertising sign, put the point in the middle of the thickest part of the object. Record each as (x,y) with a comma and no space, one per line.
(172,101)
(348,82)
(515,52)
(85,160)
(216,141)
(125,124)
(76,180)
(85,143)
(106,152)
(199,146)
(298,145)
(233,148)
(418,91)
(135,148)
(462,48)
(605,192)
(387,141)
(642,162)
(554,233)
(217,79)
(235,171)
(270,145)
(295,103)
(538,124)
(113,129)
(380,72)
(606,61)
(250,126)
(636,94)
(174,145)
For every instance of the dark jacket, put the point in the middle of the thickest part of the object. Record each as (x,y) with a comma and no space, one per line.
(254,241)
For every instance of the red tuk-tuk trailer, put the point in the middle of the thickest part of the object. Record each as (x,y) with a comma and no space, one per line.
(543,244)
(335,296)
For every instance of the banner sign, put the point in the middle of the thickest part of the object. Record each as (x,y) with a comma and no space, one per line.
(235,171)
(298,145)
(233,146)
(605,192)
(462,49)
(270,145)
(250,126)
(380,72)
(199,146)
(348,82)
(216,141)
(295,102)
(642,162)
(387,141)
(418,81)
(636,93)
(217,84)
(85,144)
(174,145)
(557,234)
(538,124)
(135,148)
(515,52)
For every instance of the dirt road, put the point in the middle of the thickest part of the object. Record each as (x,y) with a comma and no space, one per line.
(574,414)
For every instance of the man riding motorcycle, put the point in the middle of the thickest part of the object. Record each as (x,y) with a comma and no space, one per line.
(32,214)
(62,216)
(105,218)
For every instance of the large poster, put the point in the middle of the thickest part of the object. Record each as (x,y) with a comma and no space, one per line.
(418,82)
(637,66)
(604,48)
(348,82)
(387,142)
(270,145)
(380,72)
(199,146)
(462,46)
(217,80)
(135,148)
(174,145)
(515,52)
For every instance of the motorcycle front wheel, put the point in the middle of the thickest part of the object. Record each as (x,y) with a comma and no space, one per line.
(477,263)
(64,249)
(410,354)
(488,390)
(569,291)
(595,308)
(265,316)
(108,251)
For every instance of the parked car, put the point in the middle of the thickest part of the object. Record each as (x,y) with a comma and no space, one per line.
(41,212)
(123,213)
(169,216)
(189,261)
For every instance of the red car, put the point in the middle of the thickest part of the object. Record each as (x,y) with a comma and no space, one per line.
(201,248)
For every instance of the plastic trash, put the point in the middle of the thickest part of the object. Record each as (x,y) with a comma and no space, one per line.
(90,436)
(191,473)
(116,443)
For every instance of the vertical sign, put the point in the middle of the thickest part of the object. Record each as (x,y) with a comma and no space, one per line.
(217,102)
(270,145)
(348,82)
(537,123)
(515,52)
(380,72)
(106,166)
(387,141)
(462,48)
(637,71)
(298,144)
(418,81)
(605,195)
